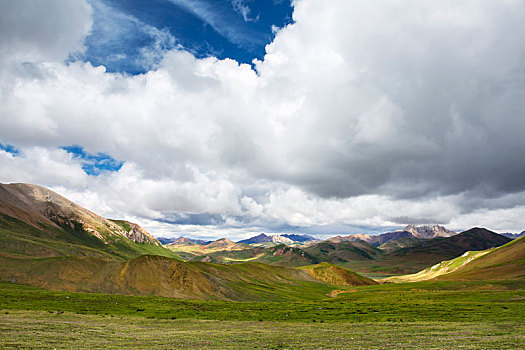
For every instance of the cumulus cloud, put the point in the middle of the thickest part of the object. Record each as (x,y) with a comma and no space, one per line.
(362,114)
(42,30)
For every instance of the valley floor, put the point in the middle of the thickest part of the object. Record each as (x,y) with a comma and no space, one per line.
(43,330)
(445,315)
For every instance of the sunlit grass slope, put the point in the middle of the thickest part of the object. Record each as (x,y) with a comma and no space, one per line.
(337,275)
(162,276)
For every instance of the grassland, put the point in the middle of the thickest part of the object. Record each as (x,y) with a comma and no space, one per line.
(41,330)
(444,315)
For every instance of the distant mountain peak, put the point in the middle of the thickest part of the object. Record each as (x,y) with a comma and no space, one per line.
(182,240)
(513,235)
(429,231)
(278,239)
(261,238)
(221,243)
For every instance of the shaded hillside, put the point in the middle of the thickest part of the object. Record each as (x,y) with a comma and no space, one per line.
(398,244)
(337,275)
(473,239)
(37,222)
(343,252)
(430,252)
(162,276)
(505,262)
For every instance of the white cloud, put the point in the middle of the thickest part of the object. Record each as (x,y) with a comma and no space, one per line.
(244,10)
(53,167)
(42,30)
(374,114)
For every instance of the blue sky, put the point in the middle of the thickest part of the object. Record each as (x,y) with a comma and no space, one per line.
(132,35)
(9,149)
(94,164)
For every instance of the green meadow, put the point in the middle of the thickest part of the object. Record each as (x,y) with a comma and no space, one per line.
(451,315)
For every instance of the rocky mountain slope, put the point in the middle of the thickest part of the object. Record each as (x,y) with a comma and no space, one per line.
(410,231)
(513,235)
(429,231)
(263,238)
(36,221)
(36,205)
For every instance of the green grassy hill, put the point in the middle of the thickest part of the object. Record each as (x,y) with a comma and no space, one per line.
(343,252)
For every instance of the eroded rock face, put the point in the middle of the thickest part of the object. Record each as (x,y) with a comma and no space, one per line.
(36,205)
(139,235)
(429,231)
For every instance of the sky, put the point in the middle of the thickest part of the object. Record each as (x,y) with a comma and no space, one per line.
(228,118)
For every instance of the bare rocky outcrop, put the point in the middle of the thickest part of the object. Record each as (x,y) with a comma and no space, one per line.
(37,206)
(429,231)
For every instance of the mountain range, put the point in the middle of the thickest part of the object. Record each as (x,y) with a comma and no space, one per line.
(410,231)
(182,240)
(514,235)
(278,239)
(49,241)
(402,252)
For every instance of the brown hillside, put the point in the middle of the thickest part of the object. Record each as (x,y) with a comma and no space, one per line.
(160,276)
(337,275)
